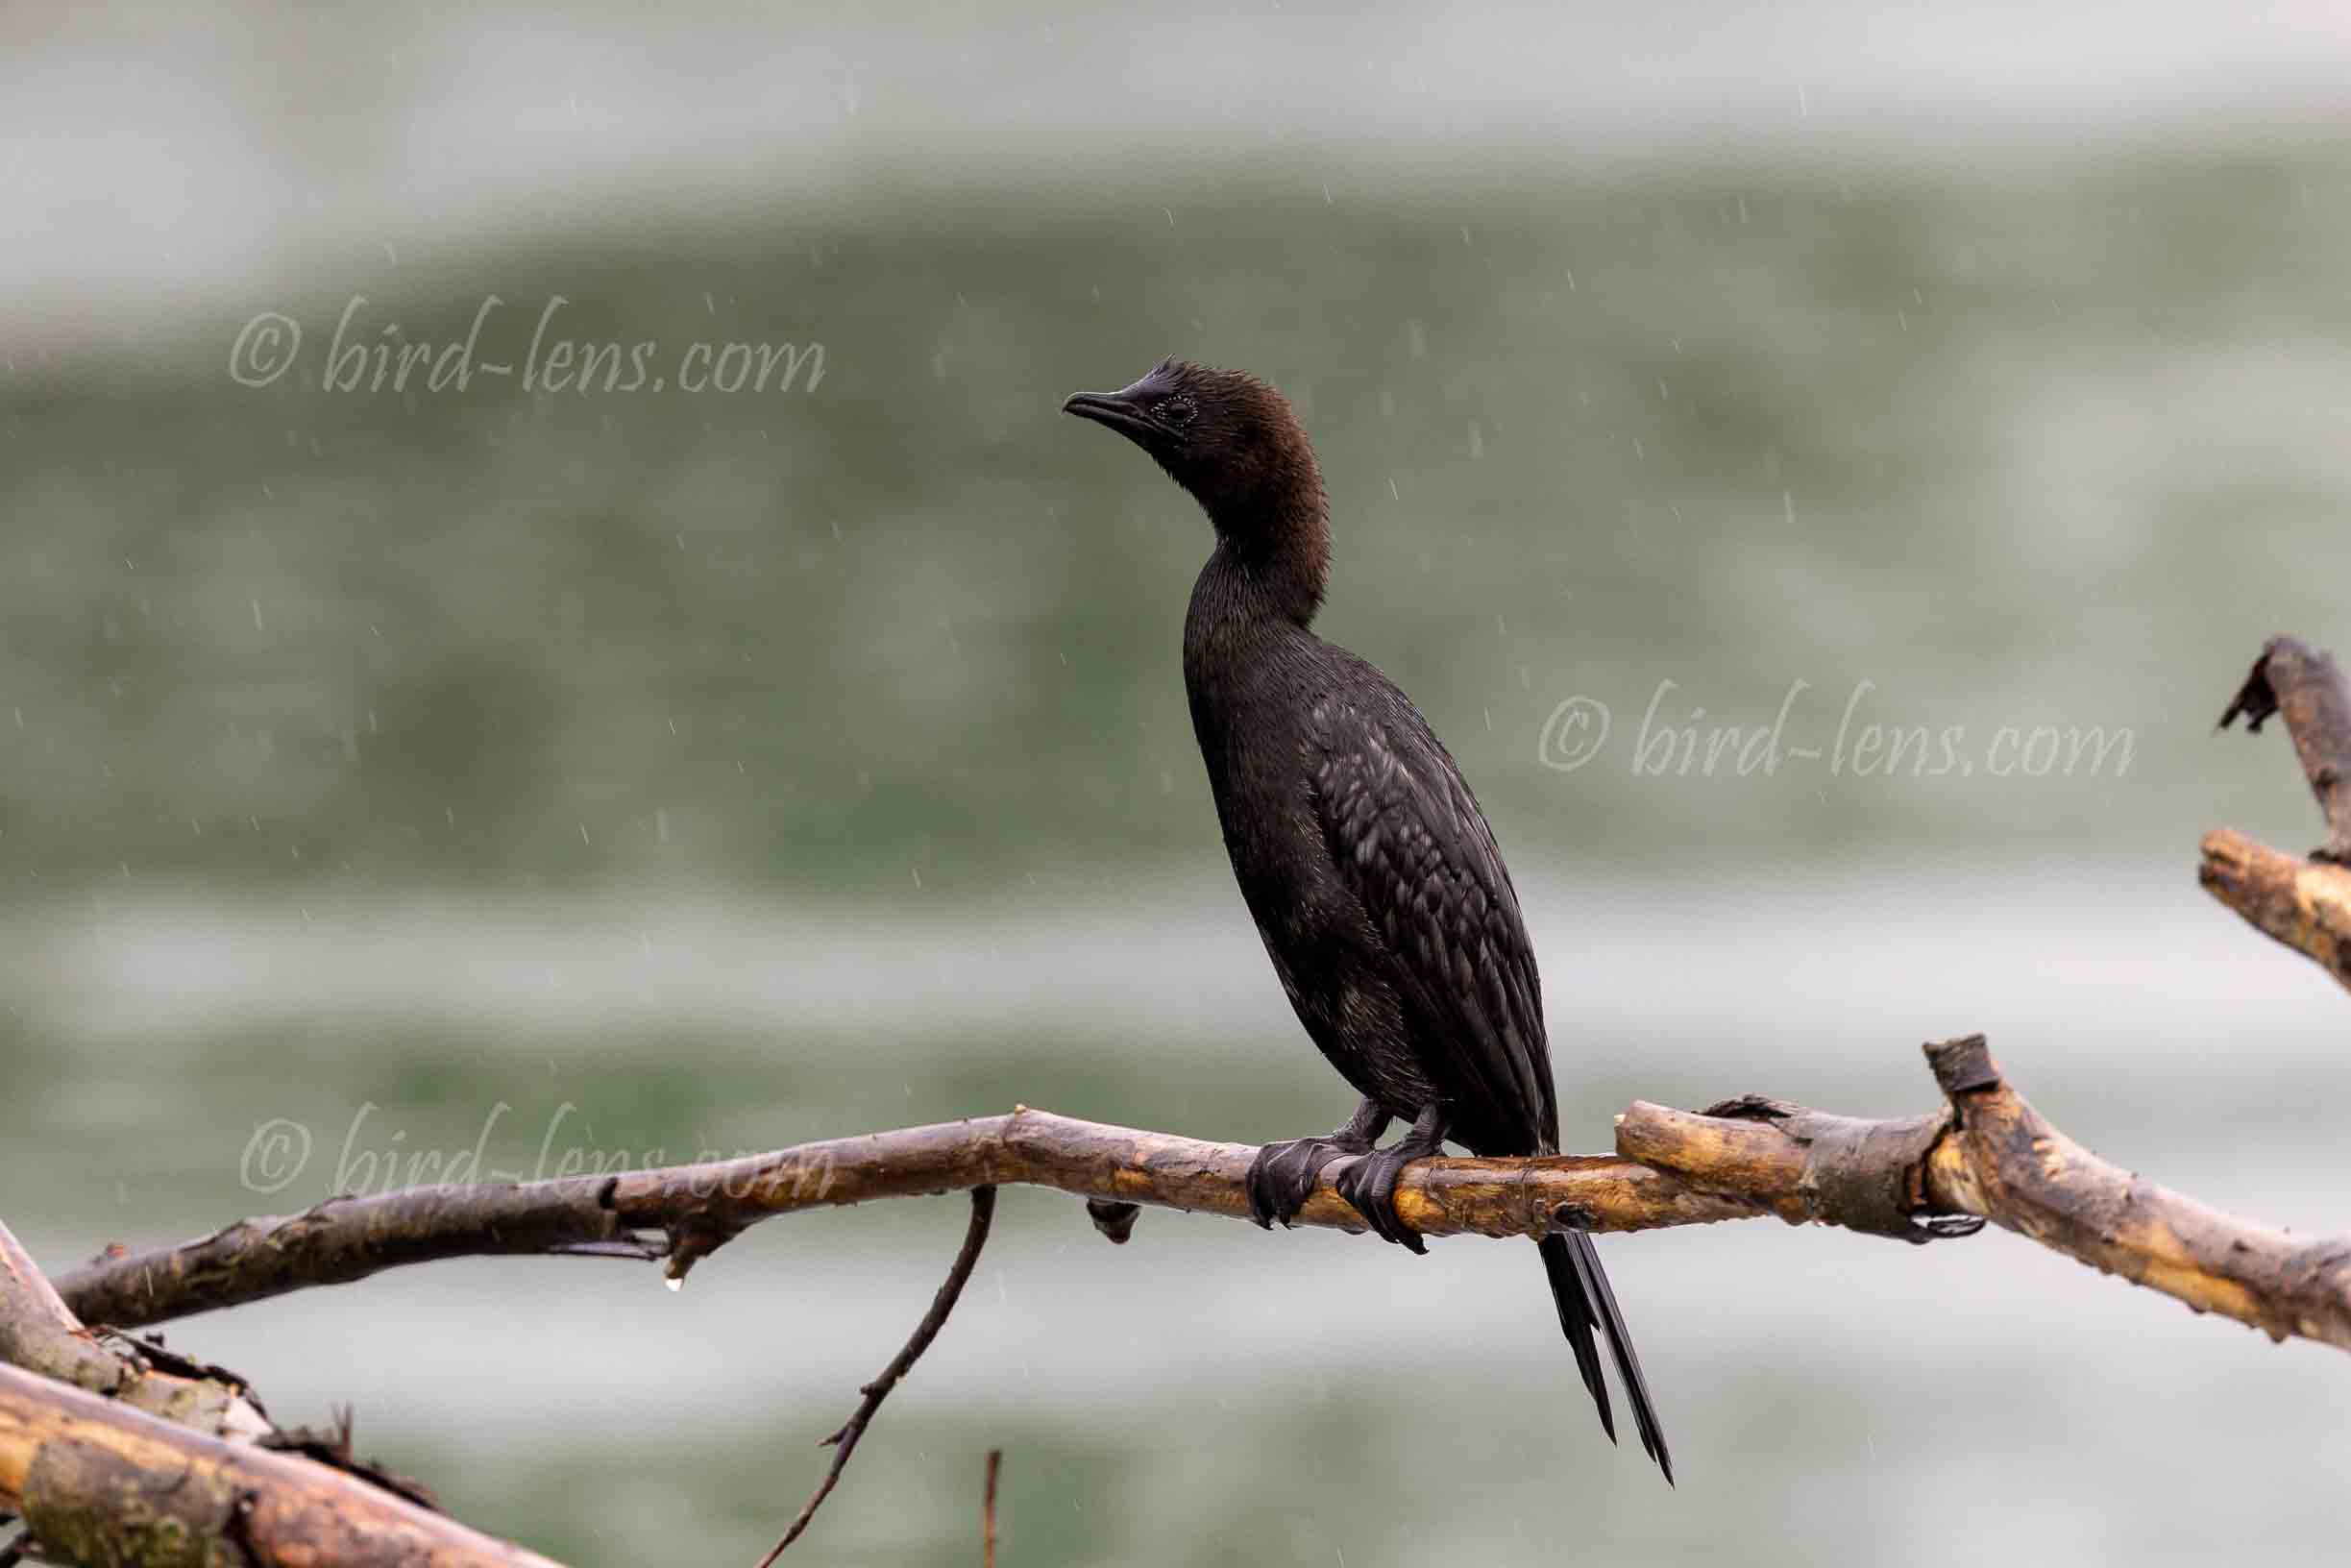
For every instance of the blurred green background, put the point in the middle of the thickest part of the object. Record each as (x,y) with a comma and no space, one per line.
(631,773)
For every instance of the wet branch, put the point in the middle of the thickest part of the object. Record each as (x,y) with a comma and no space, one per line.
(2303,903)
(108,1455)
(1985,1154)
(1989,1153)
(39,1334)
(681,1214)
(98,1482)
(342,1239)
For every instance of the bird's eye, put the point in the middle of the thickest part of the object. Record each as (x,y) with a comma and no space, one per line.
(1178,411)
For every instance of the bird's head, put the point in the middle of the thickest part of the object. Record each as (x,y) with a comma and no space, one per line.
(1229,439)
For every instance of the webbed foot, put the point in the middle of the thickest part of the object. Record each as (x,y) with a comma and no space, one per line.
(1370,1182)
(1285,1175)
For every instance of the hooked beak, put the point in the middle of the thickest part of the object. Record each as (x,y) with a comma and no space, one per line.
(1131,409)
(1115,410)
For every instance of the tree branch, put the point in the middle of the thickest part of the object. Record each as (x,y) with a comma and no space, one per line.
(2303,903)
(2303,682)
(341,1240)
(182,1470)
(1985,1154)
(41,1333)
(683,1213)
(1990,1153)
(98,1482)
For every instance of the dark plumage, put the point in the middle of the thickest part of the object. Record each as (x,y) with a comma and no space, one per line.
(1371,872)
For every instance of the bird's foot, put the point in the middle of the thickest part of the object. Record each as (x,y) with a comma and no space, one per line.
(1370,1185)
(1285,1175)
(1370,1182)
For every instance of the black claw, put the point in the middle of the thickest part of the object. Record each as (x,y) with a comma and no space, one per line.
(1285,1175)
(1370,1182)
(1370,1186)
(1261,1214)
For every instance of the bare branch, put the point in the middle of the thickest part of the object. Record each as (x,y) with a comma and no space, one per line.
(2009,1164)
(844,1442)
(94,1492)
(41,1333)
(96,1481)
(343,1240)
(697,1208)
(1986,1154)
(1990,1154)
(2305,904)
(2302,682)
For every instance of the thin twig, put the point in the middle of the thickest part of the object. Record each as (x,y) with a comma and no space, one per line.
(988,1511)
(844,1441)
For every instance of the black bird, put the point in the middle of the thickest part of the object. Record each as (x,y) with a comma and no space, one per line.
(1371,872)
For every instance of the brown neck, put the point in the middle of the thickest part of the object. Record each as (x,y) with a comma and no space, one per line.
(1277,532)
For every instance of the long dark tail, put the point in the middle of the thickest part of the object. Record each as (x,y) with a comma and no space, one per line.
(1579,1289)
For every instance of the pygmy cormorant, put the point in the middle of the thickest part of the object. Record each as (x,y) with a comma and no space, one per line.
(1371,872)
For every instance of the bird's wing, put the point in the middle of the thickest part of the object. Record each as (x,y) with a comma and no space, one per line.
(1412,845)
